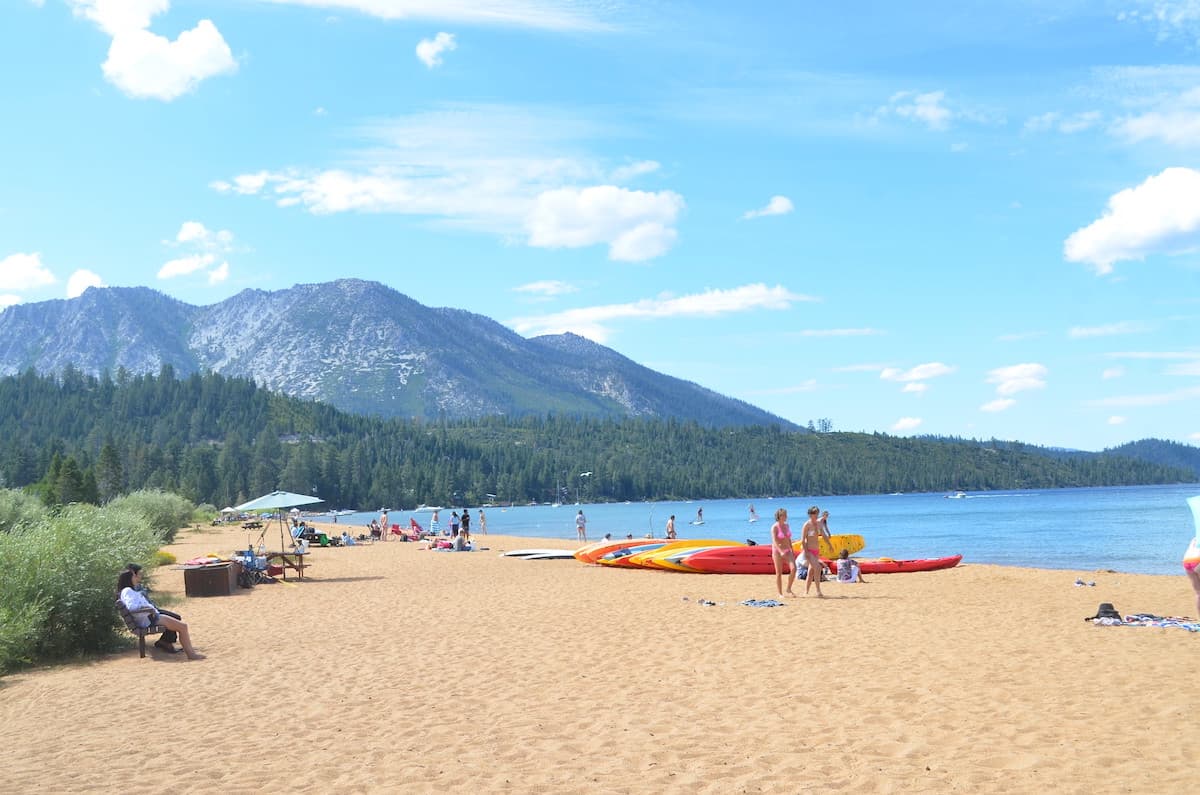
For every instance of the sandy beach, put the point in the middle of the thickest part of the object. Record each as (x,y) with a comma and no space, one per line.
(391,668)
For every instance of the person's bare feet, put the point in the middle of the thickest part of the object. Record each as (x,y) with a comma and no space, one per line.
(196,656)
(791,594)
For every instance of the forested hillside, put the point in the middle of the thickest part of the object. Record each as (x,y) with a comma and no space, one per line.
(223,440)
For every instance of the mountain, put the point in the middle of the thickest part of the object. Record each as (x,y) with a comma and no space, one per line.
(359,346)
(1159,451)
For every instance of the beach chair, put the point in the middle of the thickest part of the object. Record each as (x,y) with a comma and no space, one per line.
(130,619)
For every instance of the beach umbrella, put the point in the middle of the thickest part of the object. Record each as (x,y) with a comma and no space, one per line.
(277,500)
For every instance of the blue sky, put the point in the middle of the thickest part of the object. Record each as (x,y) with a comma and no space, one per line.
(963,218)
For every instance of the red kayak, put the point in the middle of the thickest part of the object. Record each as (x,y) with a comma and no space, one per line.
(732,560)
(889,566)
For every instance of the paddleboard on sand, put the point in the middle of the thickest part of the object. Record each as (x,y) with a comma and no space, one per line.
(889,566)
(848,541)
(557,554)
(524,553)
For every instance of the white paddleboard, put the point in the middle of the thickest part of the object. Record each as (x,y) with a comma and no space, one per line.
(558,554)
(525,553)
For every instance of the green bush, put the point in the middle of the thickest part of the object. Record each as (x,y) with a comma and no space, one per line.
(59,583)
(164,512)
(17,507)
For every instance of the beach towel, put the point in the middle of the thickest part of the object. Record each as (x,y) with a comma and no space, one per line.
(1150,620)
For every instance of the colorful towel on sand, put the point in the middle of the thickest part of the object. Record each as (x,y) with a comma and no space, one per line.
(763,603)
(1150,620)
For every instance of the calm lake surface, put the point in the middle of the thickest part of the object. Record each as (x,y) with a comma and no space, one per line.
(1139,529)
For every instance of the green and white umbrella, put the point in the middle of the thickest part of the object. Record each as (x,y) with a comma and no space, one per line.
(275,501)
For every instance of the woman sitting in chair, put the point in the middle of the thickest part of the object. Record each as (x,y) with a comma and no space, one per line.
(146,614)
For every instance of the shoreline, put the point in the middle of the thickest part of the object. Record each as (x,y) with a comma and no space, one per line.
(395,668)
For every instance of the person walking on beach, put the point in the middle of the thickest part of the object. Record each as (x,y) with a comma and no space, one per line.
(816,526)
(782,554)
(581,526)
(671,527)
(482,523)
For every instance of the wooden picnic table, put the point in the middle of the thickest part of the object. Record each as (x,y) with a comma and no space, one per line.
(289,560)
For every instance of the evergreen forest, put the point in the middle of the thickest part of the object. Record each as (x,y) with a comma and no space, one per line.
(221,441)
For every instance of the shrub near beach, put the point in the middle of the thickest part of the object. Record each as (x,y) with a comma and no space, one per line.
(60,569)
(164,512)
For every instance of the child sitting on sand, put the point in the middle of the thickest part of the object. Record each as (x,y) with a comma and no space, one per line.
(848,570)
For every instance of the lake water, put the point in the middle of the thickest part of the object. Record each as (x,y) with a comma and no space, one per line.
(1140,529)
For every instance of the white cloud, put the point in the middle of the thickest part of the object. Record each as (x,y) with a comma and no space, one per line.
(906,423)
(1107,330)
(24,272)
(634,170)
(922,372)
(548,288)
(1176,127)
(1162,215)
(197,234)
(636,225)
(1191,368)
(81,280)
(915,388)
(145,65)
(593,322)
(1116,419)
(507,170)
(1067,124)
(559,15)
(185,265)
(219,273)
(9,300)
(1169,17)
(1000,404)
(926,108)
(430,50)
(1018,378)
(778,205)
(1112,372)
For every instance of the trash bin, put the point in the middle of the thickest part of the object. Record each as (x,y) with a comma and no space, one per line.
(219,579)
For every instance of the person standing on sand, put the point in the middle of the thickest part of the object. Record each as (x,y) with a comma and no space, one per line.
(782,554)
(482,523)
(433,523)
(671,527)
(384,527)
(466,523)
(816,526)
(1191,558)
(581,526)
(453,524)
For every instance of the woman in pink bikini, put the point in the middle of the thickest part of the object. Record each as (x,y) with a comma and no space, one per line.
(810,534)
(782,554)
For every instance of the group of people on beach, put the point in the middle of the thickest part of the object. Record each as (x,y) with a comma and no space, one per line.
(783,555)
